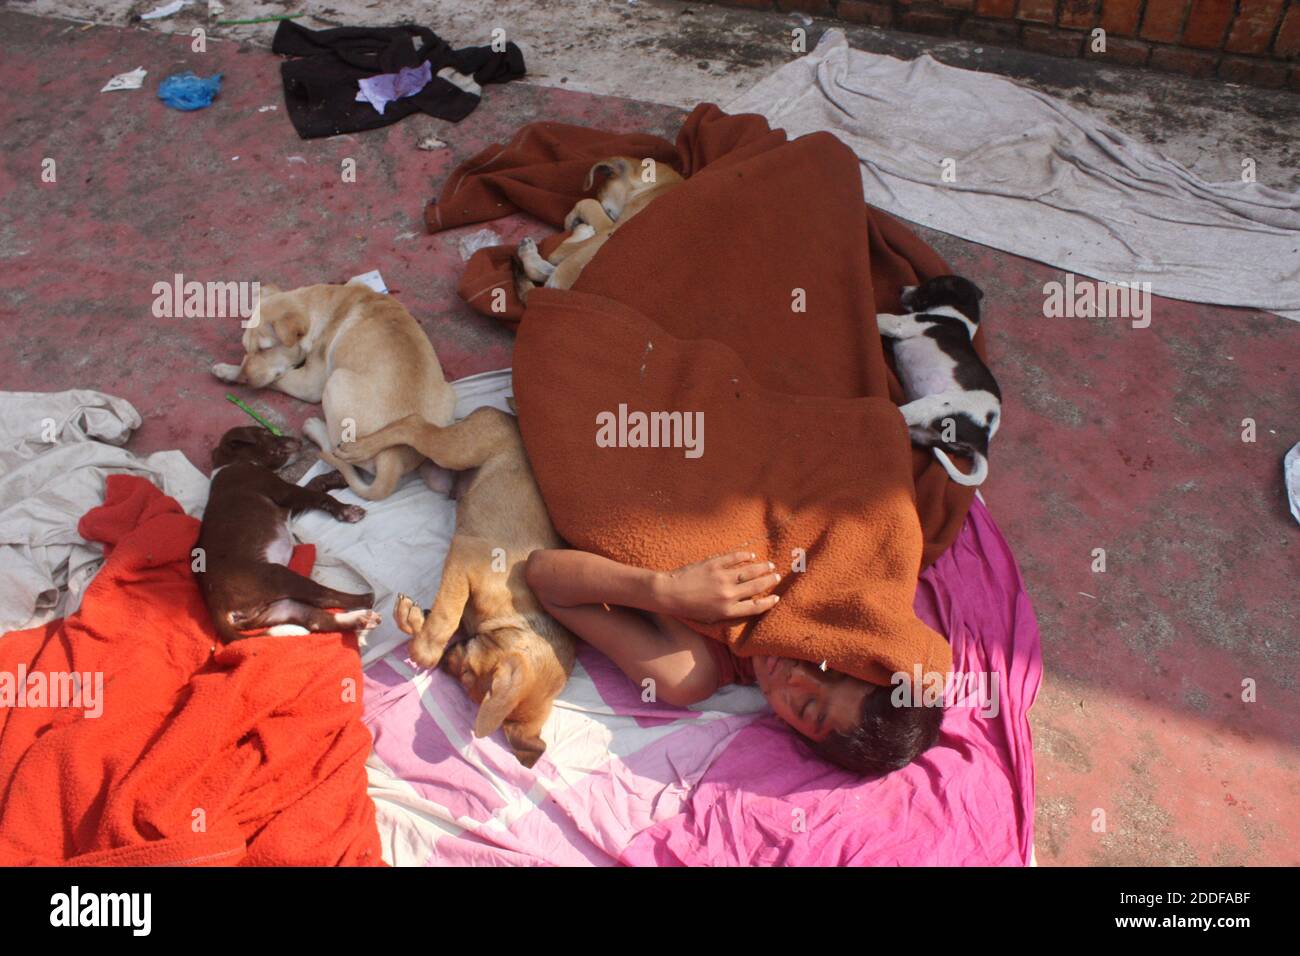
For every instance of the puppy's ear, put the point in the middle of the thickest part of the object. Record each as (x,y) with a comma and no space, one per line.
(602,167)
(290,327)
(233,443)
(509,682)
(526,743)
(614,166)
(268,288)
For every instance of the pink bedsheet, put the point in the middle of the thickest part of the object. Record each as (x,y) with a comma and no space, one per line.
(725,783)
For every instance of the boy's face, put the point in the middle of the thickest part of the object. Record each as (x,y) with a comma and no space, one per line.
(812,701)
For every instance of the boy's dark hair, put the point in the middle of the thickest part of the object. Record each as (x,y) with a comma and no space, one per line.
(886,737)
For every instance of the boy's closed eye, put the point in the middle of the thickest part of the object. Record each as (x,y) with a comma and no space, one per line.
(815,714)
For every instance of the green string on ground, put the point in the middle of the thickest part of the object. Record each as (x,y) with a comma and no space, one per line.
(256,417)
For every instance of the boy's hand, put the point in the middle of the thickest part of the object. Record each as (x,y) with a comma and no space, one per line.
(730,585)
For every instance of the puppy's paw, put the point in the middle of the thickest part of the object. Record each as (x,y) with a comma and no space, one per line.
(350,513)
(318,432)
(362,620)
(527,247)
(424,653)
(329,481)
(226,372)
(407,615)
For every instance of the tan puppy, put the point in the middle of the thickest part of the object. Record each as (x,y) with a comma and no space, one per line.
(630,185)
(517,658)
(362,356)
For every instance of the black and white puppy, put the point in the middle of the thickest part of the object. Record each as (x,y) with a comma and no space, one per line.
(953,401)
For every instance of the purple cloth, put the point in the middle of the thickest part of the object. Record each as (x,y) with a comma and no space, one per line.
(381,90)
(625,781)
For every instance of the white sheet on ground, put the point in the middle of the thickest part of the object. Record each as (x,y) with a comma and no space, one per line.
(56,449)
(1037,177)
(399,547)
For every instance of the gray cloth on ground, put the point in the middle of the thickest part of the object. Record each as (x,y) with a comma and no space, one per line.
(1037,177)
(56,449)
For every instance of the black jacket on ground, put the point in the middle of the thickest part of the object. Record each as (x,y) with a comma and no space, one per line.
(320,84)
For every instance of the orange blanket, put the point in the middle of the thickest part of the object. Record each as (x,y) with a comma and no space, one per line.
(747,295)
(199,754)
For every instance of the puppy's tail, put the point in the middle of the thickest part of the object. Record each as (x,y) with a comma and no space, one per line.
(388,465)
(388,471)
(977,475)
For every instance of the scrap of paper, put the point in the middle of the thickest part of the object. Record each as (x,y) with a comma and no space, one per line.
(1291,472)
(166,10)
(372,279)
(126,81)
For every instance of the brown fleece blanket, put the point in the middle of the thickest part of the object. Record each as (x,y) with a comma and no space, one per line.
(692,307)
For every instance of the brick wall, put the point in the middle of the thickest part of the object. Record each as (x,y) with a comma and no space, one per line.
(1256,42)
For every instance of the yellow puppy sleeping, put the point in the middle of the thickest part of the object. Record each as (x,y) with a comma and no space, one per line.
(516,658)
(362,356)
(629,186)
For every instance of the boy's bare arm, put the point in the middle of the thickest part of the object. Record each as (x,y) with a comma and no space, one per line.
(569,578)
(728,586)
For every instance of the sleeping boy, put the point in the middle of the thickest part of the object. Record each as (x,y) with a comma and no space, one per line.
(634,616)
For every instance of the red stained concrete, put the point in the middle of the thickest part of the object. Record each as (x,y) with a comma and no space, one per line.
(1115,438)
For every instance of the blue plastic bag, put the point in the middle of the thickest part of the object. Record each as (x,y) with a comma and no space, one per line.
(185,91)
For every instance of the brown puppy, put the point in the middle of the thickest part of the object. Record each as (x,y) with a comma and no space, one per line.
(517,659)
(362,356)
(245,544)
(630,185)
